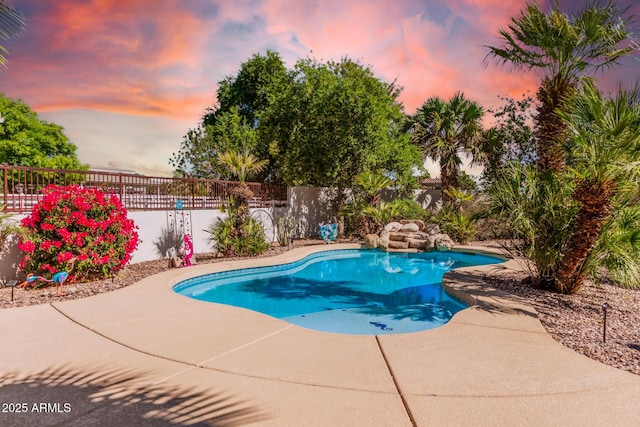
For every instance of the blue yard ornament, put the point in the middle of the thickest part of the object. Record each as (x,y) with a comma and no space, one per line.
(328,232)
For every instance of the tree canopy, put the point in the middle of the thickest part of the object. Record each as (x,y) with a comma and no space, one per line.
(232,123)
(445,129)
(25,140)
(317,124)
(334,121)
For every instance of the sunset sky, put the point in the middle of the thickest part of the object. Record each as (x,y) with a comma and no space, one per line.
(128,78)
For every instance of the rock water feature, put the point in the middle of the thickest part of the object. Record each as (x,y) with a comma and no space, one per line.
(410,235)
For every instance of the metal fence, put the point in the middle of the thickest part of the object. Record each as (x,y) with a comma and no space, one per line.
(22,189)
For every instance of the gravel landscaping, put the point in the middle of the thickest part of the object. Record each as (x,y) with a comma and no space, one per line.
(576,321)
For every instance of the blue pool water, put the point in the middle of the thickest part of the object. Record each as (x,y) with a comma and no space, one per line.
(352,291)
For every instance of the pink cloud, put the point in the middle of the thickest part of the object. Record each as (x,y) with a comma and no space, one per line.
(162,60)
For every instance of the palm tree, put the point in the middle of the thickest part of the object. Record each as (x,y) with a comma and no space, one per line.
(444,129)
(564,48)
(243,165)
(11,25)
(606,161)
(372,183)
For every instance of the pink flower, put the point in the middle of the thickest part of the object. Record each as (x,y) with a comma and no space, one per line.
(27,246)
(45,226)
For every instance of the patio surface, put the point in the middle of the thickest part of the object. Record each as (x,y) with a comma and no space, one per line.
(144,355)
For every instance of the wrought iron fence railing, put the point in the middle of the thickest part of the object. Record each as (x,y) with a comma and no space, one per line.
(22,189)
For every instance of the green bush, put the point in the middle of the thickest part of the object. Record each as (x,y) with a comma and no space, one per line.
(457,225)
(229,240)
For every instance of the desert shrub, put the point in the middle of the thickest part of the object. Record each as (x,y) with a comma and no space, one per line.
(459,226)
(79,230)
(229,241)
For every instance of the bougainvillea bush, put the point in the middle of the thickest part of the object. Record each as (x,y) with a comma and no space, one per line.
(79,230)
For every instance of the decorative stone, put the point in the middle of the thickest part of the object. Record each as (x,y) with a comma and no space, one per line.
(417,243)
(417,222)
(429,243)
(383,243)
(398,245)
(432,229)
(393,226)
(398,237)
(443,242)
(410,228)
(411,236)
(371,241)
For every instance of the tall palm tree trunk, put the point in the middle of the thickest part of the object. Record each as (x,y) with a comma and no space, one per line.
(595,210)
(551,131)
(449,181)
(242,195)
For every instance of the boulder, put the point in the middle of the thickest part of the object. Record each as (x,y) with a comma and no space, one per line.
(383,243)
(397,237)
(432,229)
(398,245)
(410,228)
(429,243)
(371,241)
(393,226)
(417,222)
(417,243)
(443,242)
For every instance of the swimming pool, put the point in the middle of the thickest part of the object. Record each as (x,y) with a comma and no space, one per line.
(351,291)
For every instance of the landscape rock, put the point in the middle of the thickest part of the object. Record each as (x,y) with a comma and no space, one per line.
(393,226)
(417,244)
(397,237)
(443,242)
(417,222)
(410,228)
(397,245)
(371,241)
(432,229)
(411,235)
(383,243)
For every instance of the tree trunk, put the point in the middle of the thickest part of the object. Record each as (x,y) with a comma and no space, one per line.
(449,180)
(595,211)
(550,130)
(242,195)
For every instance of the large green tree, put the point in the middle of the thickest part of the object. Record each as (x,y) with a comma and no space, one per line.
(232,123)
(564,48)
(445,129)
(510,139)
(11,25)
(200,147)
(334,121)
(25,140)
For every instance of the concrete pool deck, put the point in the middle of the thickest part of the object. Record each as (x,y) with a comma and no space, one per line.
(144,355)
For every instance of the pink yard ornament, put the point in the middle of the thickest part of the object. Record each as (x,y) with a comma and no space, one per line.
(187,252)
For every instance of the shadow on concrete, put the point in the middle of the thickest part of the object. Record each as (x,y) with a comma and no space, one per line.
(471,287)
(72,396)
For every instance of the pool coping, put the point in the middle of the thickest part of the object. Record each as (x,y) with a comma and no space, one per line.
(493,363)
